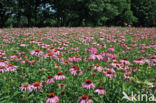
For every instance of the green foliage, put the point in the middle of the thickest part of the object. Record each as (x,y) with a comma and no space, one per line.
(41,13)
(145,11)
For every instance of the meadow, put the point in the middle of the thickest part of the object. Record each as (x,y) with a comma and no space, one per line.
(77,65)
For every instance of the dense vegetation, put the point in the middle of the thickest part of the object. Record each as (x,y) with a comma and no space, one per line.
(26,13)
(78,65)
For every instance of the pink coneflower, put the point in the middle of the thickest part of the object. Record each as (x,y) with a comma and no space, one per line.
(57,66)
(50,80)
(101,38)
(134,69)
(88,84)
(120,66)
(70,58)
(59,76)
(139,61)
(23,45)
(75,70)
(3,63)
(113,56)
(36,52)
(76,59)
(36,86)
(75,49)
(13,57)
(21,53)
(59,58)
(109,73)
(26,87)
(100,90)
(60,48)
(117,65)
(111,49)
(105,54)
(51,49)
(11,67)
(52,98)
(45,46)
(49,55)
(95,56)
(99,56)
(28,61)
(84,99)
(133,45)
(125,61)
(93,50)
(56,52)
(32,41)
(98,68)
(3,69)
(60,85)
(110,69)
(128,76)
(66,62)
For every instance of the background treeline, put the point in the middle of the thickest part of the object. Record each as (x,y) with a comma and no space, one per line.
(40,13)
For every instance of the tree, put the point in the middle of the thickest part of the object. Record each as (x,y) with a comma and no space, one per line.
(145,11)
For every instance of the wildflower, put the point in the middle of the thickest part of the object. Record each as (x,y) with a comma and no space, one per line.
(23,45)
(26,87)
(50,80)
(66,62)
(88,84)
(21,53)
(134,69)
(111,49)
(11,67)
(3,69)
(98,68)
(101,38)
(75,70)
(52,98)
(36,52)
(125,60)
(49,55)
(37,86)
(60,85)
(128,76)
(59,58)
(74,59)
(95,56)
(84,99)
(93,50)
(57,66)
(100,90)
(60,48)
(59,76)
(139,61)
(56,52)
(109,73)
(3,62)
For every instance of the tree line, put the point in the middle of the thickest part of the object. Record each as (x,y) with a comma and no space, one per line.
(41,13)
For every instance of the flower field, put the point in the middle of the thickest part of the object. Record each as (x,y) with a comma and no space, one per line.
(77,65)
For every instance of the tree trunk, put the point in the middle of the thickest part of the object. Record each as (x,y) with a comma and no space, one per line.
(29,20)
(19,14)
(19,19)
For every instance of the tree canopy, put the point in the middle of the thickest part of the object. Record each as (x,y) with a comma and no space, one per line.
(40,13)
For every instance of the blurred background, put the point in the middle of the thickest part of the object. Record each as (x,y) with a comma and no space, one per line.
(74,13)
